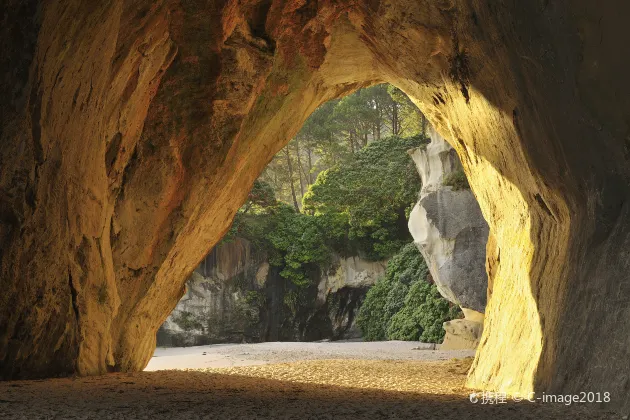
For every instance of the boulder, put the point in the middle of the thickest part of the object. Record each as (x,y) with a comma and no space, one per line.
(448,227)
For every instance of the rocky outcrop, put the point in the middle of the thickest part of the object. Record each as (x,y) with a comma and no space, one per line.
(234,295)
(451,233)
(132,130)
(448,227)
(218,306)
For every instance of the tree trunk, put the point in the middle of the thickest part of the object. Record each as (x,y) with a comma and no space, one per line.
(310,167)
(297,152)
(290,166)
(351,141)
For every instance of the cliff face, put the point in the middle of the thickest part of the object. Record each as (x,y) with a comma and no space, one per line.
(131,131)
(234,296)
(451,233)
(217,306)
(448,227)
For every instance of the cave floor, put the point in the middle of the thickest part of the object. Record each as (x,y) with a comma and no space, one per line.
(309,389)
(231,355)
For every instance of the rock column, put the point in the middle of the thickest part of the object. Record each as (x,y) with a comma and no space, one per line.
(450,231)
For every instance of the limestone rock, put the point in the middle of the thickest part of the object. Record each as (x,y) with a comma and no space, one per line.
(234,296)
(463,333)
(350,272)
(216,307)
(131,132)
(448,228)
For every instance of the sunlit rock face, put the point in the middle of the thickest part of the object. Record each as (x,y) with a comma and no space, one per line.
(235,296)
(448,227)
(131,132)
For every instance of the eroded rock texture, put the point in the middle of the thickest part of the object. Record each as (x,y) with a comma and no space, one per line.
(448,228)
(217,307)
(235,296)
(132,130)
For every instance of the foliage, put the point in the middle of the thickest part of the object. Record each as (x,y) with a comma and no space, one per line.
(291,300)
(337,130)
(457,180)
(186,321)
(371,195)
(261,195)
(403,305)
(356,184)
(358,208)
(255,298)
(291,240)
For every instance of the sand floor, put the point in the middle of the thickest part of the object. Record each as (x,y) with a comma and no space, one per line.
(230,355)
(418,385)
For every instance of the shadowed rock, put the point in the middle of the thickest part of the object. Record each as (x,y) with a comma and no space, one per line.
(131,132)
(235,296)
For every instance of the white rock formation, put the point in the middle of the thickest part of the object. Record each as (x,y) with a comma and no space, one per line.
(449,229)
(350,272)
(234,295)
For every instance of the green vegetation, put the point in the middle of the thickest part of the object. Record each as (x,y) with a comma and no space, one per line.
(372,195)
(187,321)
(335,132)
(403,305)
(345,186)
(358,209)
(457,180)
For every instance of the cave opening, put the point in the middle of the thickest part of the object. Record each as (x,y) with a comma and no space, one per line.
(132,132)
(319,226)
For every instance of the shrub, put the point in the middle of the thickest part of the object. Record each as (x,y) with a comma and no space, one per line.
(372,319)
(457,180)
(403,305)
(372,194)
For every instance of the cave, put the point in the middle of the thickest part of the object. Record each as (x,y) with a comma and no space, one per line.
(132,131)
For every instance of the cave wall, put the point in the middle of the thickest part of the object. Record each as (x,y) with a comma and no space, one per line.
(131,131)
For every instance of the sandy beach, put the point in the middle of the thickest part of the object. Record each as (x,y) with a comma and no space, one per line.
(231,355)
(339,380)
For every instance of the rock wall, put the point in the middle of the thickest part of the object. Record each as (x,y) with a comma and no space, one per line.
(216,307)
(451,233)
(448,227)
(131,131)
(235,296)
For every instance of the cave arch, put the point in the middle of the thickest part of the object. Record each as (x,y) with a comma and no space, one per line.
(133,130)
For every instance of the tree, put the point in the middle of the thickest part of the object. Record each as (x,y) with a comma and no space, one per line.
(290,168)
(409,119)
(336,131)
(373,192)
(403,305)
